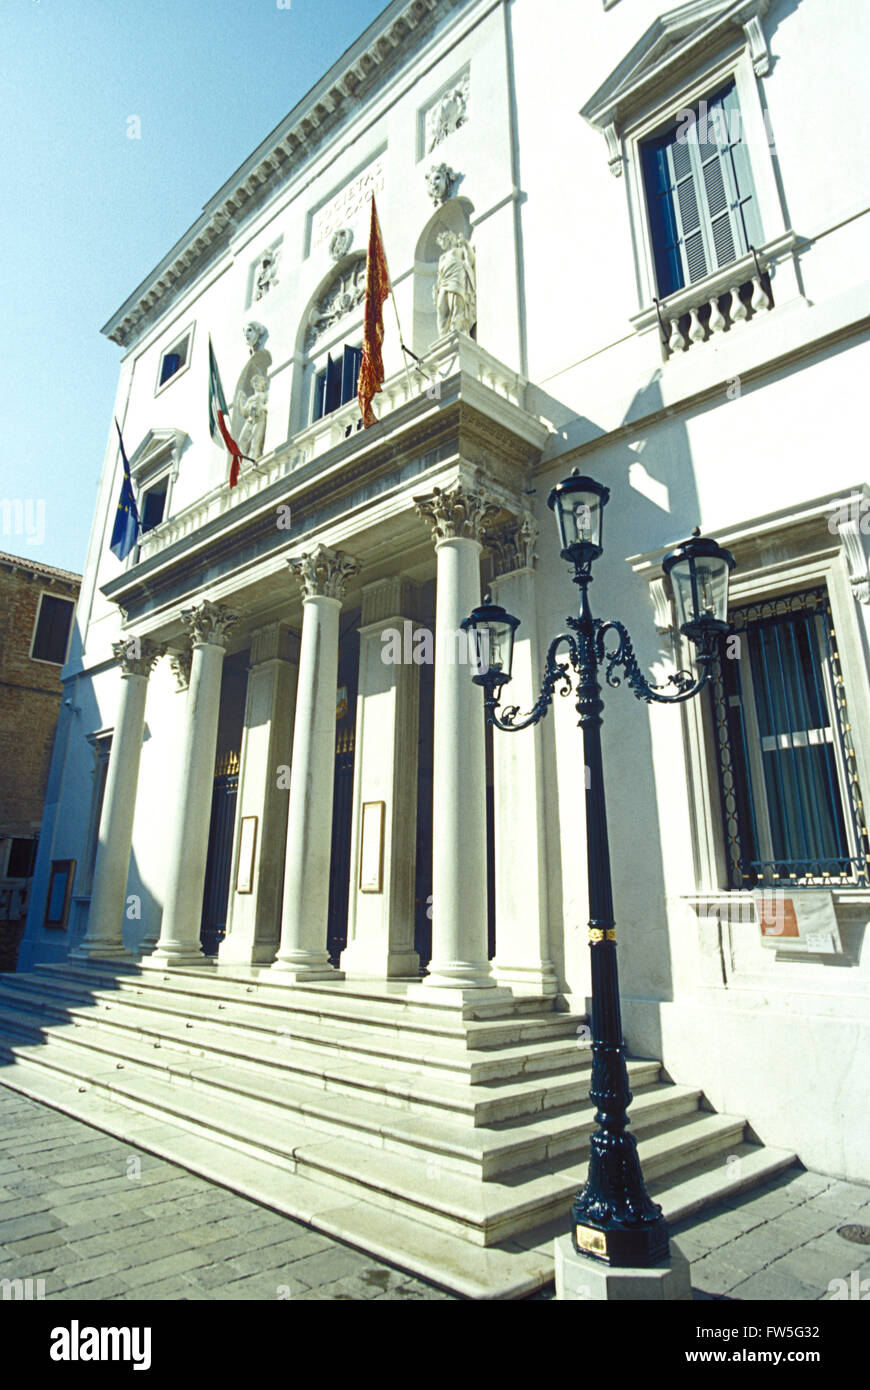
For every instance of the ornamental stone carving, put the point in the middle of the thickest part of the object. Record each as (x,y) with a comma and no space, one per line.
(136,655)
(344,292)
(181,663)
(209,623)
(323,572)
(266,273)
(460,513)
(341,243)
(439,183)
(255,334)
(513,544)
(447,114)
(455,290)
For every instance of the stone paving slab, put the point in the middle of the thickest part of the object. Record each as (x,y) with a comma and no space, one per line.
(100,1220)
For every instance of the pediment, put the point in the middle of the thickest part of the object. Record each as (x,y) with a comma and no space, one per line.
(158,448)
(673,44)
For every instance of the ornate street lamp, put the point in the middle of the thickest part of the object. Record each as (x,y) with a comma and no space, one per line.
(613,1218)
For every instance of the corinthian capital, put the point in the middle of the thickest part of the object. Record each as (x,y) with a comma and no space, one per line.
(513,545)
(458,513)
(209,623)
(323,573)
(136,655)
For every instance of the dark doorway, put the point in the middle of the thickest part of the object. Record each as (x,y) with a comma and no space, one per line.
(342,788)
(213,926)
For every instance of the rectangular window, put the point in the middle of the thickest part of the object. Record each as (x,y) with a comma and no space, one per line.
(791,804)
(51,634)
(173,359)
(153,505)
(22,857)
(336,384)
(703,212)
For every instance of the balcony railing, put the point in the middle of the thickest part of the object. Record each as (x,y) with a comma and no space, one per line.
(453,355)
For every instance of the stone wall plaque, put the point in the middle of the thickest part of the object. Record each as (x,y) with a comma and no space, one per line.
(341,209)
(371,851)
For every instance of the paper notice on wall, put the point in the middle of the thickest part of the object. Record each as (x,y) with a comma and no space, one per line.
(798,921)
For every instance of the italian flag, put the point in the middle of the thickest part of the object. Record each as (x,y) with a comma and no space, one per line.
(217,417)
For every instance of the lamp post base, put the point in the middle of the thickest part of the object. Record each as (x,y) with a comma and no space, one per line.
(580,1278)
(640,1244)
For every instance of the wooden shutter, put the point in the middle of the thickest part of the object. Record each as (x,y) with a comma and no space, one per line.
(332,395)
(350,372)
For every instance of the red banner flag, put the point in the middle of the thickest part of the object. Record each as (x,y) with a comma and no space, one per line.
(371,372)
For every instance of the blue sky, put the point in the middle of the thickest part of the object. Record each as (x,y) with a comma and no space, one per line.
(87,212)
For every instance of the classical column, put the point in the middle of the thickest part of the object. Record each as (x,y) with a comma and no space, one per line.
(208,626)
(254,914)
(380,927)
(522,958)
(459,896)
(323,576)
(136,657)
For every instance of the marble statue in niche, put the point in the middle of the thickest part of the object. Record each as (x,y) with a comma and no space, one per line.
(254,410)
(439,183)
(455,291)
(448,114)
(266,273)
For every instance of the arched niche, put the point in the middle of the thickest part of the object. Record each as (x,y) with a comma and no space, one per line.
(331,319)
(452,216)
(258,364)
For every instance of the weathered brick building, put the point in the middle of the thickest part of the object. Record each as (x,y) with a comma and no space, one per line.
(37,603)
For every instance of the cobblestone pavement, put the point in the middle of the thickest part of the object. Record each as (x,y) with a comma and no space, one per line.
(97,1219)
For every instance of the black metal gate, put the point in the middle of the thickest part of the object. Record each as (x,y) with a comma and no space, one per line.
(220,849)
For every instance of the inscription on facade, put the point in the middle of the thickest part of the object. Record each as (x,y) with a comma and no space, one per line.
(345,205)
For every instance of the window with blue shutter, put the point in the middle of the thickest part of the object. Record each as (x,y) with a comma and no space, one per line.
(703,211)
(792,808)
(336,384)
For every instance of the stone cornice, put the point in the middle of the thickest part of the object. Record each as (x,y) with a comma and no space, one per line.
(384,46)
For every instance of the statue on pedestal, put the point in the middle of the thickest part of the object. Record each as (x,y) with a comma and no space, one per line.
(455,291)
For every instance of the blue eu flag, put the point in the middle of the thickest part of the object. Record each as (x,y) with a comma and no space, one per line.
(125,532)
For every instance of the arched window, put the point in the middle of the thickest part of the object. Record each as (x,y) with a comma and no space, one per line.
(331,340)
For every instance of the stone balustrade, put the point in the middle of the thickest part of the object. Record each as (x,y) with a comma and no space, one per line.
(453,355)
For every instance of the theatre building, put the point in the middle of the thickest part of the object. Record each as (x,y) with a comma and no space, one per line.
(300,918)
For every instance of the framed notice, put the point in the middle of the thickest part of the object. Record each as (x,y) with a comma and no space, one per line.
(59,889)
(247,851)
(371,850)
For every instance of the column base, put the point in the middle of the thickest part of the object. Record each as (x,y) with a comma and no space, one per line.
(298,967)
(527,979)
(246,953)
(391,965)
(169,954)
(580,1278)
(457,995)
(460,974)
(99,950)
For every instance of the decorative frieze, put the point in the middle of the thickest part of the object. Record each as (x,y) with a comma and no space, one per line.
(513,545)
(136,655)
(343,294)
(458,513)
(209,623)
(323,572)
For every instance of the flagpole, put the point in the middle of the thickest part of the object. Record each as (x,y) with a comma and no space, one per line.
(401,339)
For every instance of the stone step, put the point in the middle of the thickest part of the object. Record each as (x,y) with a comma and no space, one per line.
(509,1269)
(483,1212)
(481,1152)
(409,1090)
(377,1003)
(448,1060)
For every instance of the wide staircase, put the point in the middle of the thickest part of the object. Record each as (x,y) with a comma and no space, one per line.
(446,1140)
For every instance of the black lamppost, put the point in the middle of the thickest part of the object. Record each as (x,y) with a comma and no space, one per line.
(613,1218)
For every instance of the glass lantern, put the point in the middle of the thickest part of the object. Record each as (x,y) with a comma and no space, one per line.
(491,641)
(579,503)
(699,571)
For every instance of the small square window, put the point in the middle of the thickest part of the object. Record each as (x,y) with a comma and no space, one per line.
(51,634)
(174,359)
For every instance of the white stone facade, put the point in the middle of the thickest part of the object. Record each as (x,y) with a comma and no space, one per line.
(735,409)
